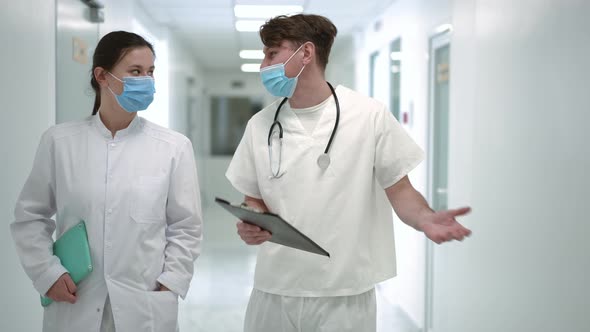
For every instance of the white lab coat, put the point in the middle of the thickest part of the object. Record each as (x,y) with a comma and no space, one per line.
(139,196)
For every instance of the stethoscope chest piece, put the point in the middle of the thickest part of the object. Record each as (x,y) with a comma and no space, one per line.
(324,161)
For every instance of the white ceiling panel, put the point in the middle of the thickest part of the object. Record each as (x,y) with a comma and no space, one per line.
(188,3)
(272,2)
(207,26)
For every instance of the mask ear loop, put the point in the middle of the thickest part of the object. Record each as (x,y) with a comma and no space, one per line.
(300,71)
(118,79)
(292,55)
(109,87)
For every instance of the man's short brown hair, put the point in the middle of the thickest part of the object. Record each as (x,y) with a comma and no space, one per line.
(301,28)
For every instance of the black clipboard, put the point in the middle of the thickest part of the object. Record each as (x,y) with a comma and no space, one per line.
(282,232)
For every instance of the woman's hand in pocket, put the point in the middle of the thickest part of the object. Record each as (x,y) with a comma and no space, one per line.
(163,288)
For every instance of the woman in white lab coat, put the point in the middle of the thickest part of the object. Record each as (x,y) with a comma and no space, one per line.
(134,184)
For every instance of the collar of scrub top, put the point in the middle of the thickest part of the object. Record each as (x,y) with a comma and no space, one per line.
(133,126)
(324,159)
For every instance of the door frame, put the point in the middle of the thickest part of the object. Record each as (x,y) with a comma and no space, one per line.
(437,40)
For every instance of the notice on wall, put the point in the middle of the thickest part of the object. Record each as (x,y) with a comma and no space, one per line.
(442,73)
(79,50)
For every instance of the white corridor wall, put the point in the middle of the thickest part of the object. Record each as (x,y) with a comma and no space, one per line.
(415,22)
(28,102)
(27,95)
(519,154)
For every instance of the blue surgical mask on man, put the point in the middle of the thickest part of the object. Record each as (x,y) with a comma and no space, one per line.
(138,92)
(276,82)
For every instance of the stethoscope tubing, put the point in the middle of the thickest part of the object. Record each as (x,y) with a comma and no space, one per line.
(276,122)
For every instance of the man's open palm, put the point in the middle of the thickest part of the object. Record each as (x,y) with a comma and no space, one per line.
(442,226)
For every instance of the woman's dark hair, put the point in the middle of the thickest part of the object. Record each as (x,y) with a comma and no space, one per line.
(110,50)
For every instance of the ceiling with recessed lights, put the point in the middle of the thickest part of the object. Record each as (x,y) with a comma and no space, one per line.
(209,26)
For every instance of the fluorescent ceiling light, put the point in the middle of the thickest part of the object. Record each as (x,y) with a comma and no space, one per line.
(253,11)
(444,27)
(248,26)
(251,67)
(251,54)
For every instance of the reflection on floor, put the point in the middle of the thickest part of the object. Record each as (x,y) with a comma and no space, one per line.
(223,279)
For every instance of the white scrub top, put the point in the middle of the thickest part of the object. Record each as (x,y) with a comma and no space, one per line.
(343,208)
(139,196)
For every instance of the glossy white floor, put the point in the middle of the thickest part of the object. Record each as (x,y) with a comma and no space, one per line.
(223,280)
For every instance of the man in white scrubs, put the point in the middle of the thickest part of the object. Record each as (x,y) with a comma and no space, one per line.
(341,198)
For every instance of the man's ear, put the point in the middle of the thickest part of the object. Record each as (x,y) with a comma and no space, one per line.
(100,75)
(308,53)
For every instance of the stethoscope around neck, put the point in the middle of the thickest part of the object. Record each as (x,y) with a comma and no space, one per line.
(323,160)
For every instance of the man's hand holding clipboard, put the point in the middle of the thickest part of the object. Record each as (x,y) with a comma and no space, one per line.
(252,234)
(275,229)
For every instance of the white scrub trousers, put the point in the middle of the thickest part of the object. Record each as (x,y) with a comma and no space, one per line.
(275,313)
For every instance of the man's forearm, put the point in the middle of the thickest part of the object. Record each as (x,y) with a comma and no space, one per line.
(409,205)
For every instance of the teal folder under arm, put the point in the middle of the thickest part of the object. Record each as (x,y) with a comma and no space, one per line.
(73,251)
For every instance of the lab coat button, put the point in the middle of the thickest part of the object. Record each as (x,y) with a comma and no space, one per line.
(113,145)
(110,211)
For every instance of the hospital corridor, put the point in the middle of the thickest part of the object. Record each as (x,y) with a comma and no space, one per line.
(494,94)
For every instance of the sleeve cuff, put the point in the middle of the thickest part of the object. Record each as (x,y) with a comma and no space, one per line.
(386,183)
(243,188)
(47,279)
(174,284)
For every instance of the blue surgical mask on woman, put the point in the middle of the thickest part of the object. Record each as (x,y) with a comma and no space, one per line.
(276,82)
(138,92)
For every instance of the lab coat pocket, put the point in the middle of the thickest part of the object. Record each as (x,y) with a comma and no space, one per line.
(150,194)
(57,317)
(164,311)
